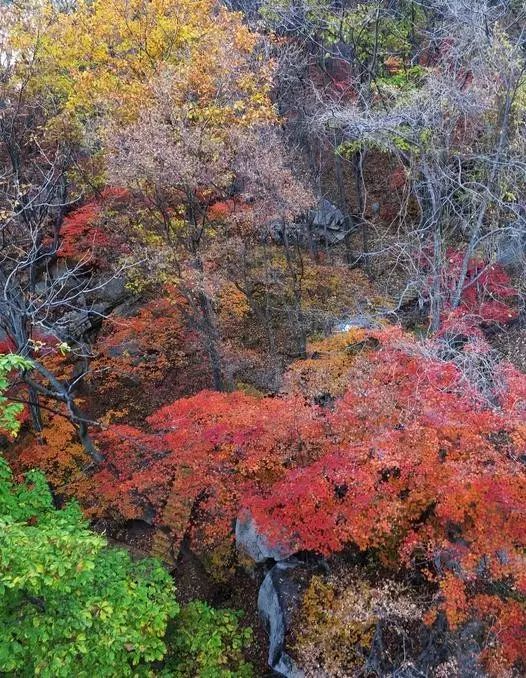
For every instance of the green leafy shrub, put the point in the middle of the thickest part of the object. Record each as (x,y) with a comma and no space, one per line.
(208,643)
(69,605)
(10,411)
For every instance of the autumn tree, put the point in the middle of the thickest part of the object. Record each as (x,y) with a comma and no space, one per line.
(201,454)
(185,165)
(427,475)
(453,127)
(412,464)
(197,102)
(43,291)
(192,81)
(197,131)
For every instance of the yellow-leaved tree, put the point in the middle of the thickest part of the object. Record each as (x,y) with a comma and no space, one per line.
(181,85)
(100,58)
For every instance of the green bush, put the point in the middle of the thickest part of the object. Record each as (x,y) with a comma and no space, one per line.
(69,605)
(208,643)
(72,606)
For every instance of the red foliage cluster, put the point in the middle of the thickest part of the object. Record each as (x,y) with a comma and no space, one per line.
(419,470)
(487,289)
(221,209)
(83,238)
(151,352)
(487,295)
(398,178)
(7,346)
(208,451)
(80,235)
(409,463)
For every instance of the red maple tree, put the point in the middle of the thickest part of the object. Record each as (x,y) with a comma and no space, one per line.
(412,464)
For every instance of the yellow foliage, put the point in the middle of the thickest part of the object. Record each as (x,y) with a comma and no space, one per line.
(101,57)
(338,627)
(233,306)
(337,289)
(326,371)
(222,562)
(249,389)
(339,617)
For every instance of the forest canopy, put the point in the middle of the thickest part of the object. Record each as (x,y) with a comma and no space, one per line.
(263,338)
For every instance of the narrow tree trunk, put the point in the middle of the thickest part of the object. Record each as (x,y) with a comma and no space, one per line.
(211,341)
(436,290)
(343,204)
(360,197)
(297,293)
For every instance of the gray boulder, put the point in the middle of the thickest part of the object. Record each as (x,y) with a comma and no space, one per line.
(328,223)
(278,597)
(511,248)
(128,347)
(74,324)
(255,544)
(325,223)
(112,292)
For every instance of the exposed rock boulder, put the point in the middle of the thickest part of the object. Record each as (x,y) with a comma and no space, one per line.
(99,301)
(328,223)
(75,324)
(130,348)
(279,596)
(255,544)
(113,291)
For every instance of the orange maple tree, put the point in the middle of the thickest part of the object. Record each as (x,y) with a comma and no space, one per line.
(205,453)
(151,351)
(411,463)
(427,474)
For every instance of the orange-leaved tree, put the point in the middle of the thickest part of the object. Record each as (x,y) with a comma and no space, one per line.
(430,475)
(202,455)
(149,355)
(413,464)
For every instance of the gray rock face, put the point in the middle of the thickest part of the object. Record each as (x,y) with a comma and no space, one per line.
(279,593)
(328,223)
(254,544)
(128,347)
(511,248)
(75,324)
(278,597)
(113,291)
(102,300)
